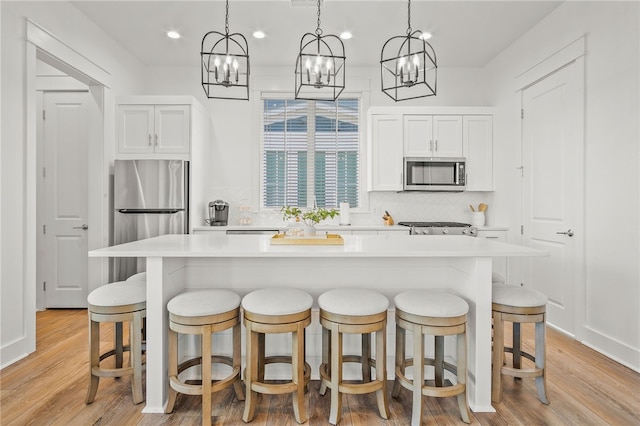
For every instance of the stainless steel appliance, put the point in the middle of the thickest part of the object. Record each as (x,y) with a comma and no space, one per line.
(434,174)
(440,228)
(218,213)
(150,199)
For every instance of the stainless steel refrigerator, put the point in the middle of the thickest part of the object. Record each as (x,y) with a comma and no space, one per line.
(150,199)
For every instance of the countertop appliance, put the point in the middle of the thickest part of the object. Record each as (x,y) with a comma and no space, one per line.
(434,174)
(218,213)
(150,199)
(440,228)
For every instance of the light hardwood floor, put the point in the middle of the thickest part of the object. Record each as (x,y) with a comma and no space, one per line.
(49,387)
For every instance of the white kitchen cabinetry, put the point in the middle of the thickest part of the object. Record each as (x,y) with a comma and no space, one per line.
(499,263)
(154,131)
(477,136)
(385,152)
(432,135)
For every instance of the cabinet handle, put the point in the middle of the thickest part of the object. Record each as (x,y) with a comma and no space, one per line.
(490,236)
(156,139)
(436,145)
(150,139)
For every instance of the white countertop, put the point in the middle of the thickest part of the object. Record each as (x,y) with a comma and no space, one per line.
(283,226)
(222,245)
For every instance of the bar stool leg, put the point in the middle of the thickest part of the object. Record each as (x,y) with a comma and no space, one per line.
(119,345)
(516,347)
(461,374)
(135,356)
(497,357)
(366,356)
(326,357)
(381,372)
(400,359)
(206,376)
(297,374)
(336,374)
(541,384)
(173,369)
(439,361)
(251,373)
(418,375)
(94,354)
(237,362)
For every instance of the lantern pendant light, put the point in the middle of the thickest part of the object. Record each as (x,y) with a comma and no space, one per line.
(225,64)
(408,68)
(320,66)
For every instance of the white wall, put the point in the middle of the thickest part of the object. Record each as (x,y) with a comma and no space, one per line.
(235,139)
(17,281)
(612,180)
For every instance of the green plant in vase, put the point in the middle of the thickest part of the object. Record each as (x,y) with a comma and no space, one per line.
(310,218)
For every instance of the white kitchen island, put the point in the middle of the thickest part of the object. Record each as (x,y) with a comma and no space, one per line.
(390,265)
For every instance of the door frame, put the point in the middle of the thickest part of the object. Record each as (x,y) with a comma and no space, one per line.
(574,53)
(46,47)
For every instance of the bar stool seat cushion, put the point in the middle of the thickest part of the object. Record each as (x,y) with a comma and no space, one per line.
(277,301)
(202,303)
(120,293)
(140,276)
(520,297)
(438,304)
(353,302)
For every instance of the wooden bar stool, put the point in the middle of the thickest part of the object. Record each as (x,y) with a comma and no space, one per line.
(439,314)
(202,313)
(276,310)
(117,303)
(518,305)
(354,311)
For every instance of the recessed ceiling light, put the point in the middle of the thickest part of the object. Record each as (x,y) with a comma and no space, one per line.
(259,34)
(426,36)
(173,34)
(346,35)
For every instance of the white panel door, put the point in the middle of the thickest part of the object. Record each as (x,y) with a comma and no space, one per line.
(418,135)
(447,136)
(386,153)
(172,129)
(136,132)
(65,160)
(552,140)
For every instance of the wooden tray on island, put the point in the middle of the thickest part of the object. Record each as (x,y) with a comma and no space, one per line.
(328,240)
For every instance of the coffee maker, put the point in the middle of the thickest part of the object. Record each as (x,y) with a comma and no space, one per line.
(218,213)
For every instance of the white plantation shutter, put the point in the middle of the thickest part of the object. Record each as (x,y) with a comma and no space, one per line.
(310,153)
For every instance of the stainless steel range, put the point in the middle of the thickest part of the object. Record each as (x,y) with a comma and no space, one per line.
(440,228)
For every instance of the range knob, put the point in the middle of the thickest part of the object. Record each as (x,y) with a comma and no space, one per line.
(465,231)
(445,230)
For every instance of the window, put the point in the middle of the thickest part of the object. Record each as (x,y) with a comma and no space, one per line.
(310,153)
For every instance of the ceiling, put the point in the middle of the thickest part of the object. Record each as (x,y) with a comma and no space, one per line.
(465,33)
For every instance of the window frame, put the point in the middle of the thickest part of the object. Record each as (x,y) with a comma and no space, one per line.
(363,197)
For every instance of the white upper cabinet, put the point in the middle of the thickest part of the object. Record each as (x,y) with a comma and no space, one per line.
(432,135)
(153,131)
(385,152)
(478,149)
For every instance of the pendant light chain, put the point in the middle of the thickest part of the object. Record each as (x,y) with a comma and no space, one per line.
(318,29)
(226,19)
(409,18)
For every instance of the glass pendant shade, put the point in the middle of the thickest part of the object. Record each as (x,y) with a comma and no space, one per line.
(225,64)
(320,67)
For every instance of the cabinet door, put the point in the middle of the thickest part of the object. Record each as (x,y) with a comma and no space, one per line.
(171,129)
(385,159)
(447,136)
(499,263)
(135,129)
(478,149)
(418,131)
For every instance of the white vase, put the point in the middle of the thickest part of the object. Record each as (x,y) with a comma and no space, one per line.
(309,231)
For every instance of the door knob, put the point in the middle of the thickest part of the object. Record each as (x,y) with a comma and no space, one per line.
(83,227)
(567,233)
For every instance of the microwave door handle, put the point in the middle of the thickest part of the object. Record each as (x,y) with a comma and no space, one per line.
(457,173)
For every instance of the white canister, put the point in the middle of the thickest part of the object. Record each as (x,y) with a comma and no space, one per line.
(477,218)
(344,214)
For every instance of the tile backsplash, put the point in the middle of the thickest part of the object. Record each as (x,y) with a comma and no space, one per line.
(403,206)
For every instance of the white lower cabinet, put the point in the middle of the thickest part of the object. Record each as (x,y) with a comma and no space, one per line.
(499,263)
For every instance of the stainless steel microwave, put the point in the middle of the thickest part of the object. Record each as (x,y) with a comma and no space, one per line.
(434,174)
